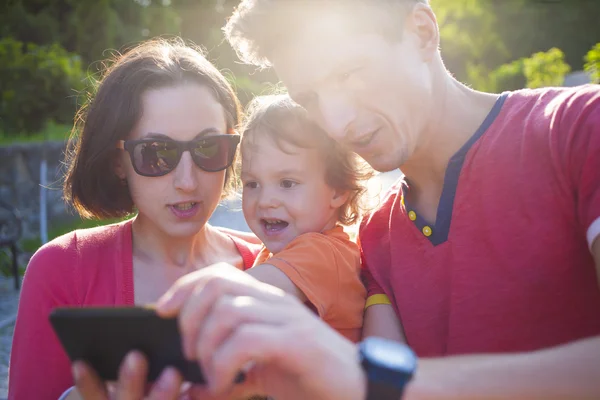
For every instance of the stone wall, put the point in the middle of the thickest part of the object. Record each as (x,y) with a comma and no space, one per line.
(20,183)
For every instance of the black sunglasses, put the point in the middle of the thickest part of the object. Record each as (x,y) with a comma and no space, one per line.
(157,157)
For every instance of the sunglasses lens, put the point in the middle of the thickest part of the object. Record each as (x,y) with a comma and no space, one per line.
(155,158)
(213,153)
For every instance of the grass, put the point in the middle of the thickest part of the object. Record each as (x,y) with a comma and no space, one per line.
(53,132)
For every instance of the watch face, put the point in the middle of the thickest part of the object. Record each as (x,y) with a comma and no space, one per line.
(390,354)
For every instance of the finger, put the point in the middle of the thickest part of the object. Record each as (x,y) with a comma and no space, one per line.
(250,343)
(227,314)
(132,377)
(169,304)
(172,301)
(167,385)
(87,382)
(203,298)
(175,297)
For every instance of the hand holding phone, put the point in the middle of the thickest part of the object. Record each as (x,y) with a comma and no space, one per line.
(102,337)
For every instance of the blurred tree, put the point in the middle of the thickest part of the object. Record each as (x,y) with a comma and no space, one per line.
(545,68)
(530,26)
(88,28)
(37,84)
(592,63)
(540,69)
(469,42)
(480,39)
(478,36)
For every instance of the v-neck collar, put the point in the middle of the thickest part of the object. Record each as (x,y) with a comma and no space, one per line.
(438,233)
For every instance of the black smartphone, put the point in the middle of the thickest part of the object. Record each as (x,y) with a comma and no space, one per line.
(103,336)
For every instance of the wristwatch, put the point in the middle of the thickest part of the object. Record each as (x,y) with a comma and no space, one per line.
(388,365)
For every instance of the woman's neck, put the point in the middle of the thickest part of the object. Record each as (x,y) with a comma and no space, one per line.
(151,244)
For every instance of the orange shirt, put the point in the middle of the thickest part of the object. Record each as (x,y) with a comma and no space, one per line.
(326,268)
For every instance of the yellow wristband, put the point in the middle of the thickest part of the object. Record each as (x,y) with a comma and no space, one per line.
(377,299)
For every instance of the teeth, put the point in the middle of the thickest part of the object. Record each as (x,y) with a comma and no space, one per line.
(185,206)
(270,223)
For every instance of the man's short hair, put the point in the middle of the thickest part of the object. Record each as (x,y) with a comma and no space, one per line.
(258,27)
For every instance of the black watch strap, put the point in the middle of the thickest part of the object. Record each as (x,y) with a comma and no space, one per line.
(381,391)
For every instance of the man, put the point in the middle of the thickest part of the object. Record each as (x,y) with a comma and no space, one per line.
(490,244)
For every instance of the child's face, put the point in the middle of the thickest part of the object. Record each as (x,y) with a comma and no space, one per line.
(285,195)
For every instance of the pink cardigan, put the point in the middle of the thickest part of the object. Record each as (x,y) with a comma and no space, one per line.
(85,267)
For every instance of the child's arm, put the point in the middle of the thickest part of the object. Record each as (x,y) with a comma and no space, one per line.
(381,320)
(272,275)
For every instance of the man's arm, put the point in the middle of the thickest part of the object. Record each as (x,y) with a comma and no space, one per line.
(571,371)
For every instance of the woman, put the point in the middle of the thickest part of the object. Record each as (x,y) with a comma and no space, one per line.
(158,138)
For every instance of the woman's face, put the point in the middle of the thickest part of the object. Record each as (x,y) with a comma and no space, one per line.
(179,203)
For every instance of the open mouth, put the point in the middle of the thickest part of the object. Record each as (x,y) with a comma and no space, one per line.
(184,206)
(274,225)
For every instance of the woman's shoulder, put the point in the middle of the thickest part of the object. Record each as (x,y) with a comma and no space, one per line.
(247,244)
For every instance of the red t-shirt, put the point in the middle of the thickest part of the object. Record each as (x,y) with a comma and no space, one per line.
(82,268)
(507,265)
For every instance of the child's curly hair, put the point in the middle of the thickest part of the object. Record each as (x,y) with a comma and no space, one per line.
(280,118)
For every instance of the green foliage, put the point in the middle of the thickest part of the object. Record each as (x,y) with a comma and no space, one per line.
(37,84)
(540,70)
(88,28)
(545,68)
(592,63)
(479,36)
(463,51)
(508,76)
(529,26)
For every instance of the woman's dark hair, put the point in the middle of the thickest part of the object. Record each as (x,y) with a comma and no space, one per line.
(90,184)
(281,119)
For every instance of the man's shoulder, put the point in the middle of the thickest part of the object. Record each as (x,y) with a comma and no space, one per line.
(552,100)
(544,117)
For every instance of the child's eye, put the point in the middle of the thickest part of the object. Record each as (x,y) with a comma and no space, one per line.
(251,185)
(288,184)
